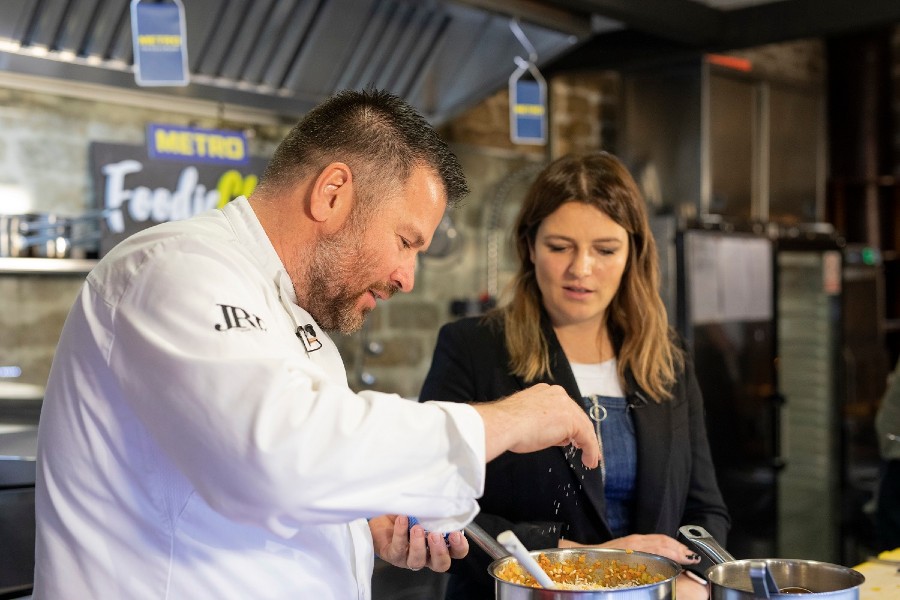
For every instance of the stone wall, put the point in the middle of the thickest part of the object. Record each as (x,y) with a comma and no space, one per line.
(44,142)
(44,166)
(33,309)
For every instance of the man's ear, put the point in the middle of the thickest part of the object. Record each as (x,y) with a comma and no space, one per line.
(332,197)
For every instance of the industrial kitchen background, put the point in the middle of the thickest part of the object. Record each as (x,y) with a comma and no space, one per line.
(777,163)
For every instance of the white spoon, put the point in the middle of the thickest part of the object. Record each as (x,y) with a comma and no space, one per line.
(517,549)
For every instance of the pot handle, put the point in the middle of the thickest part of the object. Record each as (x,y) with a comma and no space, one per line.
(703,541)
(486,541)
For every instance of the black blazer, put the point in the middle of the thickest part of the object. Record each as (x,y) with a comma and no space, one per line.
(546,495)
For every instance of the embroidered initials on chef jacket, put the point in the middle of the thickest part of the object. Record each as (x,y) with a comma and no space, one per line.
(235,317)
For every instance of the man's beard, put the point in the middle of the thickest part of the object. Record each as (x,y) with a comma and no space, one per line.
(335,281)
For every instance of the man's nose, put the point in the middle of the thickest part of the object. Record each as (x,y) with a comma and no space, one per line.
(405,275)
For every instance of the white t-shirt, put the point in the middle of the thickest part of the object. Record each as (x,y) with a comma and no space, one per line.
(598,379)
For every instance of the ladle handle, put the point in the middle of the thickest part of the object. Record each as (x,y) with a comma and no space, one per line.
(761,578)
(486,541)
(515,546)
(705,543)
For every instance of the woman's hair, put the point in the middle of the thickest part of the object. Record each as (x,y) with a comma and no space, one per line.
(636,314)
(378,135)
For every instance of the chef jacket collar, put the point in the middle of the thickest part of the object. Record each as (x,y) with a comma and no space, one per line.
(250,232)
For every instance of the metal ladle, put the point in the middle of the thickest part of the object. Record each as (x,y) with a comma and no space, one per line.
(517,549)
(508,544)
(761,578)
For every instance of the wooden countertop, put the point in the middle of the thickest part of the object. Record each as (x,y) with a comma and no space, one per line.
(882,578)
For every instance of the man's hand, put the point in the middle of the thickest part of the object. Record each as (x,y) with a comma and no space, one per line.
(411,548)
(537,418)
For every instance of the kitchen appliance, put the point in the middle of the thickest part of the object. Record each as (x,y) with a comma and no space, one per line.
(19,410)
(761,308)
(724,309)
(809,291)
(732,579)
(18,448)
(866,365)
(37,294)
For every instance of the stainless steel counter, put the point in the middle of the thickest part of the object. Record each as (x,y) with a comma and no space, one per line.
(18,450)
(20,403)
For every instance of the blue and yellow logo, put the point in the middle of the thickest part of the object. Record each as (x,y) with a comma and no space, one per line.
(159,42)
(197,145)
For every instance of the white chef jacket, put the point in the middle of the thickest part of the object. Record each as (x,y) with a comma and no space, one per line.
(190,446)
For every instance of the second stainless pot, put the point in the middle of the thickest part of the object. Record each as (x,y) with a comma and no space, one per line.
(731,579)
(506,590)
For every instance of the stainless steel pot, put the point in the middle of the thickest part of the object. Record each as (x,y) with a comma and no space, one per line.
(43,235)
(732,579)
(47,235)
(505,590)
(12,240)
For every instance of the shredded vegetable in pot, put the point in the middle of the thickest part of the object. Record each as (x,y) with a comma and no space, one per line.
(581,574)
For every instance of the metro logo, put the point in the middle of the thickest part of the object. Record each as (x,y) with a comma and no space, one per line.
(529,109)
(159,40)
(197,145)
(186,143)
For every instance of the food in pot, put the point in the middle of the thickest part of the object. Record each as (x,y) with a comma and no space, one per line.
(579,573)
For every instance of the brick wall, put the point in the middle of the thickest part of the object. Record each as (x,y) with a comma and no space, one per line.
(582,111)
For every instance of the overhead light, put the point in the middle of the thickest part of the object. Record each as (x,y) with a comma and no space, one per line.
(730,62)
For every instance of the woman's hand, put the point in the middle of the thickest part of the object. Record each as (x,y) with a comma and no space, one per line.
(412,549)
(691,587)
(653,543)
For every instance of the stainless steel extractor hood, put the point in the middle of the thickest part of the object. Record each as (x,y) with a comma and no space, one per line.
(281,57)
(284,56)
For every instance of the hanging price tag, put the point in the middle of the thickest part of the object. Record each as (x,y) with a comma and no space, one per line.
(527,105)
(160,43)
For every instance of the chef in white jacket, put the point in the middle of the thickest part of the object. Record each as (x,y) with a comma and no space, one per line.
(198,437)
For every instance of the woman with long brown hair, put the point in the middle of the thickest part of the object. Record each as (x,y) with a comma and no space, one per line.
(585,313)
